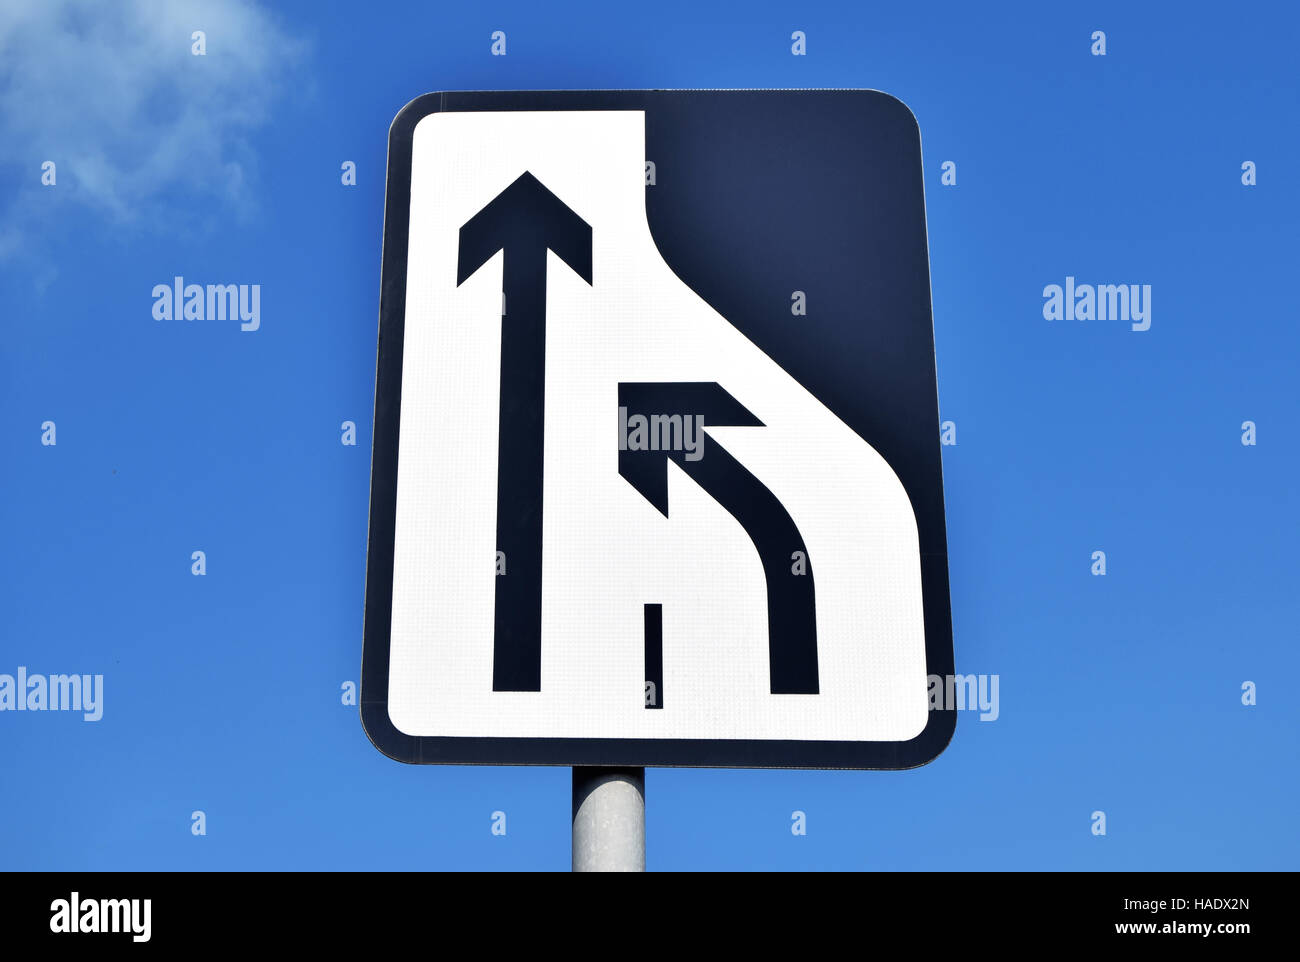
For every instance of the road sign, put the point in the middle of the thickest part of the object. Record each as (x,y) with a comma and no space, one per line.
(656,473)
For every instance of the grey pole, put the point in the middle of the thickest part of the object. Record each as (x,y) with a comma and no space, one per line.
(608,819)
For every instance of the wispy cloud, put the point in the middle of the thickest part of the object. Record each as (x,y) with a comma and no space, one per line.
(137,125)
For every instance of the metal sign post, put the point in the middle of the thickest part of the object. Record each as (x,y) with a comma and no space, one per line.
(608,819)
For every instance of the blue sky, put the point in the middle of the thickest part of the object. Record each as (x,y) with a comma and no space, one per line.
(222,693)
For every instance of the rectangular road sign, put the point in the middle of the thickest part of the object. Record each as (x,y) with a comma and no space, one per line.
(656,469)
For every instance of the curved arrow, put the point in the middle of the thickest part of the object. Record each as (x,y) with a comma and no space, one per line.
(643,461)
(523,221)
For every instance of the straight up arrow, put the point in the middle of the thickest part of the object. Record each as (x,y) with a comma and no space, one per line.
(523,221)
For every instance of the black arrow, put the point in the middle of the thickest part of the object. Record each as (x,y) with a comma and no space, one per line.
(523,221)
(682,410)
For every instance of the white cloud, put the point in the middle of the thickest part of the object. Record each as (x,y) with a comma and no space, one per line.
(137,124)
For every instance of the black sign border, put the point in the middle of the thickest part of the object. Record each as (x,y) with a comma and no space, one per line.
(613,752)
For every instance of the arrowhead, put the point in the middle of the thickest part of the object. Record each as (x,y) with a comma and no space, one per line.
(647,471)
(525,214)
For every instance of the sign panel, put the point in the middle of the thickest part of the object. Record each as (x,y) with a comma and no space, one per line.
(656,471)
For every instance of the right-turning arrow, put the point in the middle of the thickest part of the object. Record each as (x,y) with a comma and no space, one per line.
(661,422)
